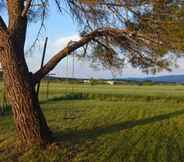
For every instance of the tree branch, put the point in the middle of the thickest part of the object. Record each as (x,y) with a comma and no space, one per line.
(3,32)
(15,8)
(74,46)
(17,25)
(26,8)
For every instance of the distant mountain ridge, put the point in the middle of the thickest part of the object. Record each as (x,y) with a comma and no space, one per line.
(165,78)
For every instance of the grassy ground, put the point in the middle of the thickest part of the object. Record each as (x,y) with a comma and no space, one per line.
(106,124)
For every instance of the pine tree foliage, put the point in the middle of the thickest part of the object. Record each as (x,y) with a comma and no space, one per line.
(154,29)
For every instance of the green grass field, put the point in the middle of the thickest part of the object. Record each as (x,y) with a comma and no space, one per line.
(104,123)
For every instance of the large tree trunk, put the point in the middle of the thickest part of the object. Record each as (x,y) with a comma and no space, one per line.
(30,122)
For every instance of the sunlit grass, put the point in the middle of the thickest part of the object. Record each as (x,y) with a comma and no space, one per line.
(107,124)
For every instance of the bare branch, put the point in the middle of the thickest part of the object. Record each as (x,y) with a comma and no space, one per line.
(74,46)
(42,26)
(58,5)
(26,8)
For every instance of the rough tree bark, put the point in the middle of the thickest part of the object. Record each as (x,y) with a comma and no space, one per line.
(29,120)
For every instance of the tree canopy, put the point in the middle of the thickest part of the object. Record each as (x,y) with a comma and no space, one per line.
(145,33)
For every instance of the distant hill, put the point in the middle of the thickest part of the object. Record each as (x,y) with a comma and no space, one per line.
(168,78)
(162,79)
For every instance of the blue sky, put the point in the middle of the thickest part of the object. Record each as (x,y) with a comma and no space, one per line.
(61,29)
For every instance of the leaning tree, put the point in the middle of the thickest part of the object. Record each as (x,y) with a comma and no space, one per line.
(113,33)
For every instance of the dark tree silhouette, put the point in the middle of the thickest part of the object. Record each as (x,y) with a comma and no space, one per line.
(141,32)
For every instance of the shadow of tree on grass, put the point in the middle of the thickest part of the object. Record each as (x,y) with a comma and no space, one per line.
(68,96)
(93,133)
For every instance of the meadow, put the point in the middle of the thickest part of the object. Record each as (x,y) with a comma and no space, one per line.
(105,123)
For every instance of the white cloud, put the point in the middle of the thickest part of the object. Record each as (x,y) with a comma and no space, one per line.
(63,41)
(82,69)
(53,47)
